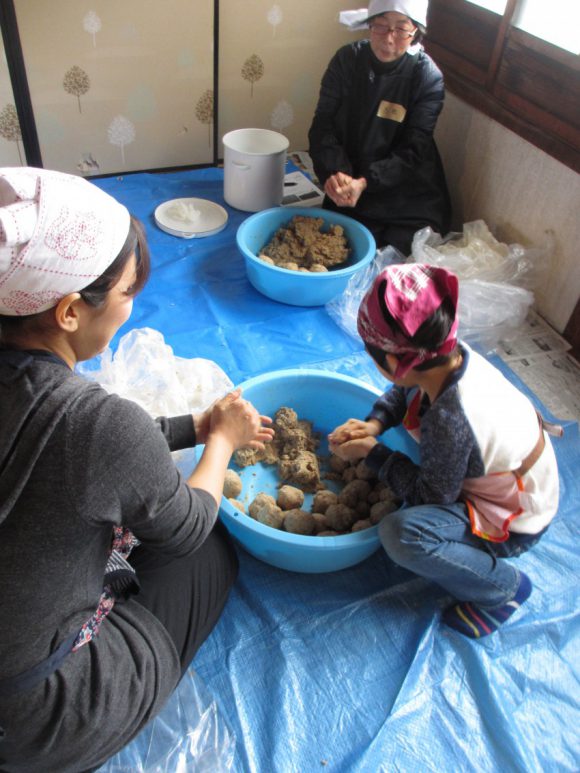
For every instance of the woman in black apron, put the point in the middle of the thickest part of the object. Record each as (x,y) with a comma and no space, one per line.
(371,139)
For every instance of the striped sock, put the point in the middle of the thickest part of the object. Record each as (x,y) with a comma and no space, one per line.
(475,622)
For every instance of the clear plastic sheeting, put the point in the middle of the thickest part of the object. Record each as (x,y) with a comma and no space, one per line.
(490,311)
(145,370)
(477,254)
(188,736)
(353,671)
(495,281)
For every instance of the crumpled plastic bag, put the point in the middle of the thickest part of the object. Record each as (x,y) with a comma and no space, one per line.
(477,254)
(491,311)
(188,736)
(145,369)
(495,281)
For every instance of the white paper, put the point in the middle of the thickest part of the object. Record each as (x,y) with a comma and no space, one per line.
(539,356)
(299,191)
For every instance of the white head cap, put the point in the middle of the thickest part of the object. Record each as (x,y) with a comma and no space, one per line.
(58,233)
(416,10)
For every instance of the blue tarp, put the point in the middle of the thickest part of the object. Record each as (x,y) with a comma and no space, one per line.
(352,671)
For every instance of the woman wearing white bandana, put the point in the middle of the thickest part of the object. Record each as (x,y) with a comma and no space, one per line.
(112,568)
(371,138)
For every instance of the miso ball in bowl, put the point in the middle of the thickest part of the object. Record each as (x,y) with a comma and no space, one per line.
(301,287)
(326,399)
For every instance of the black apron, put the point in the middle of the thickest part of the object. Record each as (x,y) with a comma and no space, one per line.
(420,198)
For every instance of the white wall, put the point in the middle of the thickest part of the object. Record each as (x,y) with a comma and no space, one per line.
(520,192)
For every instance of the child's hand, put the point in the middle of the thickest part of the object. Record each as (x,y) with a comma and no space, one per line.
(354,450)
(354,429)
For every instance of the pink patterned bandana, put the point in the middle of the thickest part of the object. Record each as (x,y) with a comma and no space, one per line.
(413,292)
(58,233)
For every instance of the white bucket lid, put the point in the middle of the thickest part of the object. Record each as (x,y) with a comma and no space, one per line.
(257,142)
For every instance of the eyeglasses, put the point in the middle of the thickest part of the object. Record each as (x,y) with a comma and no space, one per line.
(399,33)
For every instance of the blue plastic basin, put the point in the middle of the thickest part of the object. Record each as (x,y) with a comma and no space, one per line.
(326,399)
(300,288)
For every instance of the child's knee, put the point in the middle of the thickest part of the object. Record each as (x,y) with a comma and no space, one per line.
(400,536)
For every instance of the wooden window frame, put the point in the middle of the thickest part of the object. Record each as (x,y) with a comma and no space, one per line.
(528,85)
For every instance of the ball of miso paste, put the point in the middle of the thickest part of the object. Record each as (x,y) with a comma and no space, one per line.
(232,485)
(363,509)
(363,472)
(319,522)
(259,501)
(340,517)
(270,515)
(364,523)
(337,464)
(354,492)
(237,504)
(380,509)
(289,498)
(299,522)
(322,500)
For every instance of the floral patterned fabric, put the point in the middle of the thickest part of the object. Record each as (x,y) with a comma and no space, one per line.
(122,544)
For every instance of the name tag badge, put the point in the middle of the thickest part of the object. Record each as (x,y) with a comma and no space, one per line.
(392,111)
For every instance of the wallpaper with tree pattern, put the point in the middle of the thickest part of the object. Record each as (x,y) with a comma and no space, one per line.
(125,86)
(11,150)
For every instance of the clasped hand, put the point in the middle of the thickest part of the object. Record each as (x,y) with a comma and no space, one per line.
(354,439)
(344,190)
(237,420)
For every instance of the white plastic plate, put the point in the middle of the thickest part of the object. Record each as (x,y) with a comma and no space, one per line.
(191,218)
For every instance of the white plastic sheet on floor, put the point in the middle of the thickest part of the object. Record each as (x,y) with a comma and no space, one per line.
(350,671)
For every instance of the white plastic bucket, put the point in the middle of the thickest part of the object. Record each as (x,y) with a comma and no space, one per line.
(254,166)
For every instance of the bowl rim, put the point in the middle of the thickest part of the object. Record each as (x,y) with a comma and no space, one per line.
(353,539)
(316,276)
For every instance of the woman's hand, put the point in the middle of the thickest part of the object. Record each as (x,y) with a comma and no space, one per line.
(237,421)
(201,423)
(225,407)
(344,190)
(228,424)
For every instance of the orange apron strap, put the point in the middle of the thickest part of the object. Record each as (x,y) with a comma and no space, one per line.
(536,452)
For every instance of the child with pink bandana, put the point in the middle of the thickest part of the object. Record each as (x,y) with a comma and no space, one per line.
(486,487)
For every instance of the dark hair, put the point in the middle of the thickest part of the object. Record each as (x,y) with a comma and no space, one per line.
(96,293)
(430,335)
(420,34)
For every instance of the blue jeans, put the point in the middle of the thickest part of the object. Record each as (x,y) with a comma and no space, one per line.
(436,542)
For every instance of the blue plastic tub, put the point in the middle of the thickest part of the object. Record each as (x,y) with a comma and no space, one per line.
(300,288)
(326,399)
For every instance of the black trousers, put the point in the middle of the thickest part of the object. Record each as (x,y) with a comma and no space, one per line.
(187,594)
